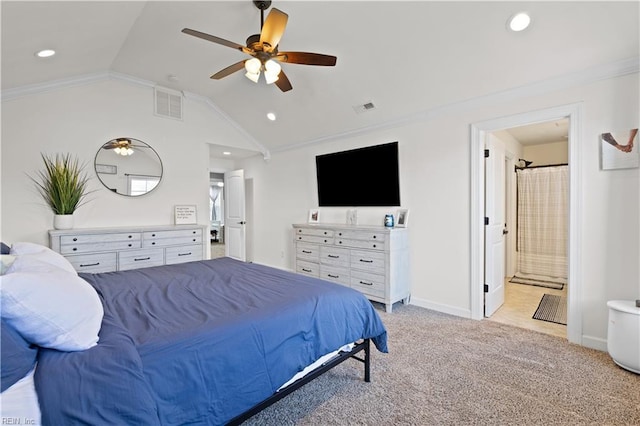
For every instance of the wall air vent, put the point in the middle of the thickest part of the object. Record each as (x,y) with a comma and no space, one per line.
(168,103)
(368,106)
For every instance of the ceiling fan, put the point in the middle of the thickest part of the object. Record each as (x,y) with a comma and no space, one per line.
(264,49)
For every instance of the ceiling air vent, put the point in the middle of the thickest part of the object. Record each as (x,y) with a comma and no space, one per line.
(168,103)
(364,107)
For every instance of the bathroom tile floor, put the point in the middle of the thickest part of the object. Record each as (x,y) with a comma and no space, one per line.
(521,302)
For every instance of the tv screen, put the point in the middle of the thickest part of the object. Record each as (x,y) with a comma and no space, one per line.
(366,177)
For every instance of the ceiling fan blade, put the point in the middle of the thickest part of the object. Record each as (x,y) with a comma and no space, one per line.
(306,58)
(273,29)
(215,39)
(283,82)
(228,70)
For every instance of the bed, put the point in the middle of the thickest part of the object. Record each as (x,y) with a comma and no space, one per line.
(209,342)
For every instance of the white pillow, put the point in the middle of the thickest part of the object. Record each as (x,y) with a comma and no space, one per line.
(49,306)
(42,253)
(6,260)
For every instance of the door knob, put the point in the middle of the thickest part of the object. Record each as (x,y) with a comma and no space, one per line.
(505,231)
(242,223)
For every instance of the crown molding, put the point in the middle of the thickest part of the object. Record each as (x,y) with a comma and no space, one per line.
(590,75)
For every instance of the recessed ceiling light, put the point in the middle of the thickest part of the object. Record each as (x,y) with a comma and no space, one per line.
(519,21)
(45,53)
(271,116)
(226,153)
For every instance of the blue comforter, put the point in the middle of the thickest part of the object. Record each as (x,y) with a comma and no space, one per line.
(198,343)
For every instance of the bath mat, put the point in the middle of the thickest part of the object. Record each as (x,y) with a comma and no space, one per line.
(552,308)
(538,281)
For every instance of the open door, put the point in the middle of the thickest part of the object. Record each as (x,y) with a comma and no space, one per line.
(235,222)
(495,228)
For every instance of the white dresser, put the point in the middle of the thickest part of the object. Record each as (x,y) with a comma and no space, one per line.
(119,249)
(373,260)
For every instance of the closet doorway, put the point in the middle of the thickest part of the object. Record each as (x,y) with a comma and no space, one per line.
(536,207)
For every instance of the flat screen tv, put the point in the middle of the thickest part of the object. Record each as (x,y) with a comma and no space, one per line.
(365,177)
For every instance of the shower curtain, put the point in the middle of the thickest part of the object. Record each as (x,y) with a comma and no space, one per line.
(542,229)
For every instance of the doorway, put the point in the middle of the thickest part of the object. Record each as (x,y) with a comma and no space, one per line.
(216,214)
(479,135)
(535,208)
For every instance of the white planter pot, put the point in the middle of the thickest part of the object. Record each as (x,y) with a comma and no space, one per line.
(63,221)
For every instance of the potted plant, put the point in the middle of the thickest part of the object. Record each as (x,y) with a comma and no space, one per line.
(63,185)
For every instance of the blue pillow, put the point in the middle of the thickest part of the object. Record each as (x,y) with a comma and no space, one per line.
(4,249)
(18,356)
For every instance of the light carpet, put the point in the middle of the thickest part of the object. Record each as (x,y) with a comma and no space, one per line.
(446,370)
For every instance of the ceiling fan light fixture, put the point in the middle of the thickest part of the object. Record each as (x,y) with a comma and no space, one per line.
(253,65)
(271,71)
(253,76)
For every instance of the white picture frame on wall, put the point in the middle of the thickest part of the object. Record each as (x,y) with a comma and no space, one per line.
(314,216)
(617,150)
(402,218)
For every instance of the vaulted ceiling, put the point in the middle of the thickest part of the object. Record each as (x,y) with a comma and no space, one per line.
(406,58)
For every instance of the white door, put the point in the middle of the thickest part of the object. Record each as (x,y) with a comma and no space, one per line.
(494,237)
(234,223)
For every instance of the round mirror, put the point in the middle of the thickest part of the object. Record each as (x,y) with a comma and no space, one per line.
(128,166)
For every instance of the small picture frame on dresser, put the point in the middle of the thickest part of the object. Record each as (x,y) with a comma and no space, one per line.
(314,216)
(352,217)
(186,215)
(402,218)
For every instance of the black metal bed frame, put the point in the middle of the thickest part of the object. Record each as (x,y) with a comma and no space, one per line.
(364,345)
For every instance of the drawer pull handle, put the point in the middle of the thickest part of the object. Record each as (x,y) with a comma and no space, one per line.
(299,238)
(374,237)
(325,232)
(333,256)
(366,261)
(75,248)
(374,246)
(365,283)
(306,270)
(333,276)
(325,241)
(194,239)
(130,245)
(130,236)
(75,239)
(153,243)
(307,251)
(340,234)
(141,258)
(339,242)
(153,235)
(184,254)
(89,264)
(193,232)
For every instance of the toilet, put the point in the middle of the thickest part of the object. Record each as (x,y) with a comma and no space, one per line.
(623,338)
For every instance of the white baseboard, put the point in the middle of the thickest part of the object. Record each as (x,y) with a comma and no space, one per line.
(451,310)
(596,343)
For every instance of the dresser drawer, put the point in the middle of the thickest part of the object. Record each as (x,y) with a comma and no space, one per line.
(140,259)
(368,260)
(314,232)
(308,252)
(99,238)
(335,274)
(100,246)
(179,233)
(314,239)
(369,284)
(361,235)
(94,263)
(330,255)
(164,242)
(183,254)
(368,244)
(307,268)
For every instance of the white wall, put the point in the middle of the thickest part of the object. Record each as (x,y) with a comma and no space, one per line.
(435,186)
(79,120)
(548,153)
